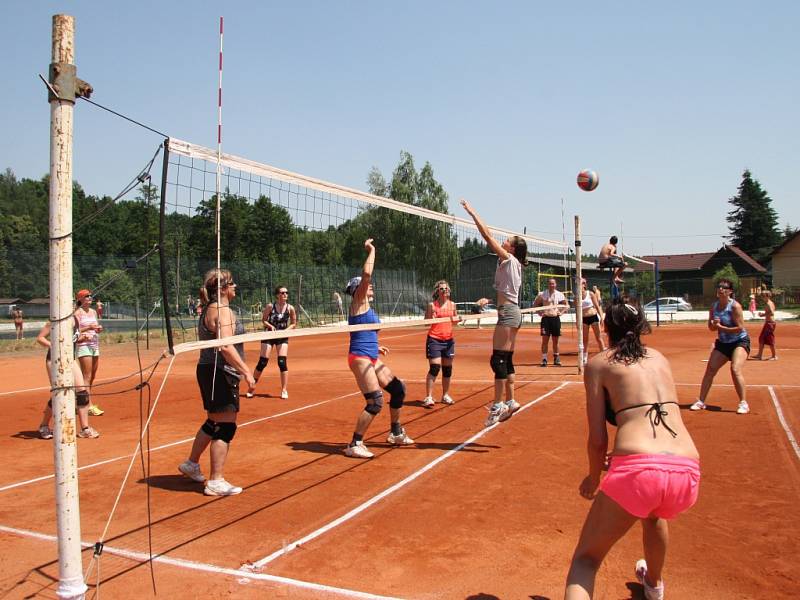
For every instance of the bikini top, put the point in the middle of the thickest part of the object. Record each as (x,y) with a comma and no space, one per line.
(655,413)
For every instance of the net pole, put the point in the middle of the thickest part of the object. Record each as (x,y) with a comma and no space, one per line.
(577,297)
(162,250)
(65,449)
(219,161)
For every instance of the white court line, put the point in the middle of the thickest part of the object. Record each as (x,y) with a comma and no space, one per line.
(362,507)
(208,568)
(184,441)
(784,424)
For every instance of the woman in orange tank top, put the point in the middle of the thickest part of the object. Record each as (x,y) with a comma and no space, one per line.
(440,347)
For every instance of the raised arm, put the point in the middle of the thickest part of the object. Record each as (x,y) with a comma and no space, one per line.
(493,244)
(366,273)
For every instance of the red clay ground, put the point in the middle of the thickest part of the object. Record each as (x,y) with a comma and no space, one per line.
(497,519)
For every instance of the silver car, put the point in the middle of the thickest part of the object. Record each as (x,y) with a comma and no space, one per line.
(669,304)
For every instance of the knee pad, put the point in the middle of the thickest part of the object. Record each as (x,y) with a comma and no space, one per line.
(510,364)
(397,393)
(374,402)
(81,398)
(447,371)
(499,364)
(433,370)
(262,363)
(282,364)
(208,427)
(224,432)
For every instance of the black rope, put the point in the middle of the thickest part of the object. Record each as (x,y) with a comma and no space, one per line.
(113,112)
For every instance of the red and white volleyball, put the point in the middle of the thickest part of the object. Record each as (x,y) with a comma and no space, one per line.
(588,180)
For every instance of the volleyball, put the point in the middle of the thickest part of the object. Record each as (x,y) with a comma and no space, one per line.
(588,180)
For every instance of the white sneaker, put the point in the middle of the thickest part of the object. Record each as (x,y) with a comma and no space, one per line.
(248,394)
(744,408)
(428,402)
(358,451)
(446,399)
(650,593)
(220,487)
(400,439)
(496,414)
(45,432)
(284,395)
(88,433)
(512,406)
(699,405)
(192,471)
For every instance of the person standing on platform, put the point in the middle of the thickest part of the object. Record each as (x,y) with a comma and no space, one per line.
(609,259)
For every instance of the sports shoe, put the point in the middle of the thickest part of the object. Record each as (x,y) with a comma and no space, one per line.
(95,410)
(358,450)
(284,395)
(88,432)
(699,405)
(744,408)
(220,487)
(497,413)
(446,399)
(650,593)
(512,406)
(557,361)
(249,394)
(45,432)
(401,439)
(428,402)
(192,471)
(544,362)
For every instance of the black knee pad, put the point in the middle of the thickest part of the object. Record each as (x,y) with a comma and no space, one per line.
(510,364)
(397,393)
(82,398)
(447,371)
(224,432)
(208,427)
(374,402)
(262,363)
(433,370)
(499,364)
(282,364)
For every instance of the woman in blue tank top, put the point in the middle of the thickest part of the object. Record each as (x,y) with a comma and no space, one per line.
(726,317)
(370,372)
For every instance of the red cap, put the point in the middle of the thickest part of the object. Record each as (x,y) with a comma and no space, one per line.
(83,294)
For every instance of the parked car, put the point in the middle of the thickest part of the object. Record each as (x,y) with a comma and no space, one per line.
(668,304)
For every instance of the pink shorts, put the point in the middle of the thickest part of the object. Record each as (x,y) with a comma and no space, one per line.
(653,485)
(352,357)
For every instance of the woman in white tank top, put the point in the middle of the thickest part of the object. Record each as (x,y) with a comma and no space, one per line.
(592,315)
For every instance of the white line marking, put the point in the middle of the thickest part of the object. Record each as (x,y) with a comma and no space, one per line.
(179,442)
(196,566)
(784,424)
(362,507)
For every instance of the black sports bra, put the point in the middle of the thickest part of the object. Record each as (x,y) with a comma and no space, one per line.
(656,414)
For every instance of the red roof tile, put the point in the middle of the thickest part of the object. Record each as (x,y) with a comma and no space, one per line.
(675,262)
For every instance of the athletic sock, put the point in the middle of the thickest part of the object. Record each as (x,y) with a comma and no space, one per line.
(396,428)
(357,437)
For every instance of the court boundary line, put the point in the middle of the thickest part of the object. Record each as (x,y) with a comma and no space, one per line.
(783,422)
(206,567)
(259,564)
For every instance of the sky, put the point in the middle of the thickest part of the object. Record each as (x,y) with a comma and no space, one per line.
(669,102)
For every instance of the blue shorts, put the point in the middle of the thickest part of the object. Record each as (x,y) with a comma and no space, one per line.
(440,348)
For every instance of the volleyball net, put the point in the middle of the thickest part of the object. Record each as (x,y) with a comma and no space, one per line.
(279,228)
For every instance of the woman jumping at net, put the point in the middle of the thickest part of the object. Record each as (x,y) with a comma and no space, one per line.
(592,315)
(218,373)
(654,471)
(277,316)
(511,256)
(81,393)
(370,372)
(726,317)
(440,346)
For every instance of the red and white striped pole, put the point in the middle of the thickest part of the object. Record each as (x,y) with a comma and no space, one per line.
(219,152)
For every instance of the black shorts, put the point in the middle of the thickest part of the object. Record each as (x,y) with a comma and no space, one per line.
(551,326)
(440,348)
(275,342)
(591,319)
(727,348)
(612,262)
(226,389)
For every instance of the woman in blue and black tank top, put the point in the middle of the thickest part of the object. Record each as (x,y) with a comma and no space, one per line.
(726,317)
(277,316)
(370,372)
(219,371)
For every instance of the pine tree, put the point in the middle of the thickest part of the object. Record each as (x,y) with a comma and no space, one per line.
(753,221)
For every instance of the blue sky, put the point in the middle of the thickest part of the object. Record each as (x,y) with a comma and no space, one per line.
(669,102)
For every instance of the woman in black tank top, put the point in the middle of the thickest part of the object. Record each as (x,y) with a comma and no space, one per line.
(277,316)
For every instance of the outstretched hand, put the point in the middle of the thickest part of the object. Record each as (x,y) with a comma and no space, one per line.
(368,245)
(467,206)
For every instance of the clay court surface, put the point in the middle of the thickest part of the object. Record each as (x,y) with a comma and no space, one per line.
(466,513)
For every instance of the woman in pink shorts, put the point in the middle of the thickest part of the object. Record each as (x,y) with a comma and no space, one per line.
(654,471)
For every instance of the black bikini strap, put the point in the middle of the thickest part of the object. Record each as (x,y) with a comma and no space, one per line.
(656,413)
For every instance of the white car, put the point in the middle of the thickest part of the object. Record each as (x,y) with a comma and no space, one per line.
(670,304)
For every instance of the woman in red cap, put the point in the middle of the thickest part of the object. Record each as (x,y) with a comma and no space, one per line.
(87,349)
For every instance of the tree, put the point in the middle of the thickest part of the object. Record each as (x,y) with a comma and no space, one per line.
(753,221)
(788,232)
(727,272)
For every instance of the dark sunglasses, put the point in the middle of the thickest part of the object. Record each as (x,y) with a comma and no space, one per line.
(283,292)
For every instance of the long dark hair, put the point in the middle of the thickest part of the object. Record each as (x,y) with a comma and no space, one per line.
(625,323)
(520,248)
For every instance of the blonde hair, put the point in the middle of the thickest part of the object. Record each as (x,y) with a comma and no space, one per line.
(436,288)
(209,291)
